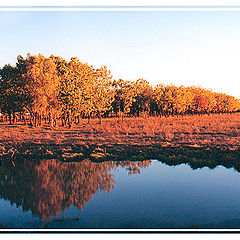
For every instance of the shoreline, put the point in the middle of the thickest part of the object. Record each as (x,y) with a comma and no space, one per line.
(197,140)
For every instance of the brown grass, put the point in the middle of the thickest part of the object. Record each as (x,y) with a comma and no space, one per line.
(205,130)
(220,131)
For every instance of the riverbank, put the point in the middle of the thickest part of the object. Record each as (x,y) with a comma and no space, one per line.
(206,138)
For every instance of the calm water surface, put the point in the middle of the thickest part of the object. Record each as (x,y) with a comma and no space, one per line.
(149,194)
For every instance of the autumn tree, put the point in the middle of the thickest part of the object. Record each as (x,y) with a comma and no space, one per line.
(76,89)
(142,97)
(50,88)
(44,80)
(14,96)
(164,99)
(103,92)
(124,97)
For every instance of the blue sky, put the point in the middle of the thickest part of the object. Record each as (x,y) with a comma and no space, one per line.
(189,48)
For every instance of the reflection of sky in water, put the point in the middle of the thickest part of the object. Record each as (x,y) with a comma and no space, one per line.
(159,197)
(13,216)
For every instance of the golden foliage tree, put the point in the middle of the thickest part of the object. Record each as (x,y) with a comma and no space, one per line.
(50,88)
(44,83)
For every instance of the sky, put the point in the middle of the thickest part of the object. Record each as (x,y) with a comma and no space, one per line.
(200,48)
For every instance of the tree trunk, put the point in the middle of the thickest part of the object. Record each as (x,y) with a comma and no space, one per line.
(35,120)
(40,120)
(10,118)
(31,120)
(63,121)
(24,120)
(68,121)
(14,117)
(49,118)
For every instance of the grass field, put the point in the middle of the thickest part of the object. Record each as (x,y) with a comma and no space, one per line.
(207,139)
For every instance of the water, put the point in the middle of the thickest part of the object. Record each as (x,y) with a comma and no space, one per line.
(149,194)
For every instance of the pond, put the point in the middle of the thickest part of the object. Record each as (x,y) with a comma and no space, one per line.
(144,194)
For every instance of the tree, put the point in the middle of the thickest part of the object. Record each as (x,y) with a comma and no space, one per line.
(51,87)
(142,97)
(103,93)
(77,90)
(124,93)
(13,93)
(44,81)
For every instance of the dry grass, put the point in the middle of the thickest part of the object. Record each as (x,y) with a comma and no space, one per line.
(201,130)
(206,131)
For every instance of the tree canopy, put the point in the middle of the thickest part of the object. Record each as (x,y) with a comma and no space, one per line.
(50,88)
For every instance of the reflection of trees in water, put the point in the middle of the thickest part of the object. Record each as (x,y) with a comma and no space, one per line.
(200,163)
(48,187)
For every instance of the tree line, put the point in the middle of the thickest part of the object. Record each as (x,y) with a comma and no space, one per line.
(51,89)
